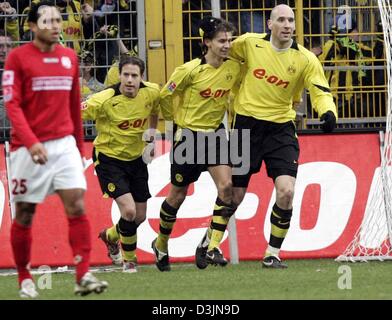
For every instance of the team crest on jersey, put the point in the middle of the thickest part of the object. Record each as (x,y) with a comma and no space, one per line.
(66,62)
(229,76)
(291,69)
(179,178)
(172,86)
(111,187)
(8,78)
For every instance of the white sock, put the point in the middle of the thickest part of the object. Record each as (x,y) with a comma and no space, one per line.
(271,251)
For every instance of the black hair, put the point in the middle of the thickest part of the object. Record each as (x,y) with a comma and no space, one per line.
(33,13)
(125,59)
(209,27)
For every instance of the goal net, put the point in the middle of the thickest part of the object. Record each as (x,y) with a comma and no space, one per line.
(372,240)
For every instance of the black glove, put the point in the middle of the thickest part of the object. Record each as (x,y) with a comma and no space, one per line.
(329,121)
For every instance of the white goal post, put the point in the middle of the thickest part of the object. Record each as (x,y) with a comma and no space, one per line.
(9,184)
(372,241)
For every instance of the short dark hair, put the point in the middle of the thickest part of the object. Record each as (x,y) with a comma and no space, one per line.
(124,60)
(33,13)
(209,27)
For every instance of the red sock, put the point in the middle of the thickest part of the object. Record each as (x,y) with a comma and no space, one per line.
(21,247)
(80,241)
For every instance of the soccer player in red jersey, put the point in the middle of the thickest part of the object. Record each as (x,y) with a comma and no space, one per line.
(42,98)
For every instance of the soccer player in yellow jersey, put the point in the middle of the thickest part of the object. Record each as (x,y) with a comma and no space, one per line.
(203,86)
(122,114)
(277,69)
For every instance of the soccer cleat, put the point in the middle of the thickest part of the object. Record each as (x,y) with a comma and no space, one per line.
(27,289)
(200,255)
(89,284)
(273,262)
(215,257)
(161,258)
(129,267)
(114,252)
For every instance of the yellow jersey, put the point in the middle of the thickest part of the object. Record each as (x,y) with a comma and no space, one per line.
(73,26)
(203,92)
(120,121)
(273,79)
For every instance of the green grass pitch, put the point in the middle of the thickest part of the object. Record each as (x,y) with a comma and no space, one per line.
(304,279)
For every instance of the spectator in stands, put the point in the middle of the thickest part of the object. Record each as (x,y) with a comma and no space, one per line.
(105,9)
(104,51)
(72,23)
(341,50)
(104,26)
(5,48)
(379,75)
(89,83)
(9,20)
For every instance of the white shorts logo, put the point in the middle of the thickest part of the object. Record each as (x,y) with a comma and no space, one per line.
(66,62)
(8,78)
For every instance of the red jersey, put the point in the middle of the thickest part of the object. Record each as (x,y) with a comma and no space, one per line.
(42,95)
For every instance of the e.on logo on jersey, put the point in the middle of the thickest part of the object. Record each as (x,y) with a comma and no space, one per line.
(72,31)
(208,93)
(272,79)
(138,123)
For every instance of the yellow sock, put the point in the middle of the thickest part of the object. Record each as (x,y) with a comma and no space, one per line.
(218,230)
(218,224)
(128,245)
(280,224)
(209,232)
(128,239)
(112,233)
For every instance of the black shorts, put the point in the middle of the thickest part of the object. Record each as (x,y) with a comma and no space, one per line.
(193,152)
(275,143)
(118,177)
